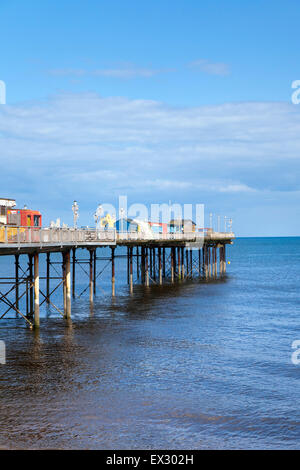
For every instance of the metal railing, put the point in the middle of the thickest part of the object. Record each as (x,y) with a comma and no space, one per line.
(47,236)
(142,236)
(176,236)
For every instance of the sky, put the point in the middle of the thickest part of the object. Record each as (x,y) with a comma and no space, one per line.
(185,101)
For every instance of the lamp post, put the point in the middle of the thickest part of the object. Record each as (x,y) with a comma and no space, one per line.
(230,225)
(211,220)
(225,223)
(121,217)
(75,210)
(98,214)
(219,223)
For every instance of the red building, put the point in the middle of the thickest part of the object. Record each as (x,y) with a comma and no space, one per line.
(24,218)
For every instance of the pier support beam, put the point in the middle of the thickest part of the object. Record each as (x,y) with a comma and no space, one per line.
(113,279)
(36,292)
(64,282)
(47,277)
(147,267)
(187,262)
(91,282)
(222,259)
(137,263)
(95,270)
(164,263)
(179,262)
(215,261)
(68,284)
(191,262)
(143,264)
(130,270)
(128,255)
(30,281)
(182,263)
(199,261)
(206,261)
(172,264)
(159,266)
(17,280)
(73,270)
(150,261)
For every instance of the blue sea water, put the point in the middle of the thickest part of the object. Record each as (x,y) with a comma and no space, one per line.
(194,365)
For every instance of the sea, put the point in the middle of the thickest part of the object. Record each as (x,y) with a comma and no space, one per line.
(191,365)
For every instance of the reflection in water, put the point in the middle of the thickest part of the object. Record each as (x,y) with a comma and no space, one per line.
(182,366)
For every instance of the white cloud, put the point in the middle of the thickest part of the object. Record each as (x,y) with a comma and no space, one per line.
(96,147)
(128,72)
(212,68)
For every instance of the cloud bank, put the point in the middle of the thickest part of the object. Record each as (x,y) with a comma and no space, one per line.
(93,148)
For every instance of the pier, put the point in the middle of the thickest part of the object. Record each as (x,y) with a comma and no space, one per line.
(157,259)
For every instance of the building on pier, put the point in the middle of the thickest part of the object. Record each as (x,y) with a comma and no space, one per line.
(181,226)
(5,204)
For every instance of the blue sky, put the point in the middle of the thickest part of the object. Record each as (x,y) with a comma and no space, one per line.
(188,101)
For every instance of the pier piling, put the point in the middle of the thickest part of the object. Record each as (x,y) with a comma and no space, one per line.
(36,291)
(160,267)
(17,281)
(131,270)
(113,280)
(68,284)
(147,267)
(91,282)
